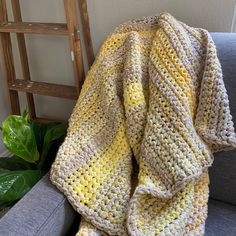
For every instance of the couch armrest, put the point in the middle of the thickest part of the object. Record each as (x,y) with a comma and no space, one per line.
(223,171)
(42,211)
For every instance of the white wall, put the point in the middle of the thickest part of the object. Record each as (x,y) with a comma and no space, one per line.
(49,56)
(233,27)
(214,15)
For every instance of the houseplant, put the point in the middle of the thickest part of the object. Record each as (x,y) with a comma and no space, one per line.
(33,146)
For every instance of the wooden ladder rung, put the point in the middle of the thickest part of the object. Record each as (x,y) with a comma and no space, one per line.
(34,28)
(69,29)
(42,88)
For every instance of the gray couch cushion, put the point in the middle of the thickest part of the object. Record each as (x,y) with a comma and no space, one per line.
(223,171)
(43,211)
(221,219)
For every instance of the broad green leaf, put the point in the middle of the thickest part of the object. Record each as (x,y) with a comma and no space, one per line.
(52,134)
(40,130)
(15,184)
(18,137)
(51,154)
(15,163)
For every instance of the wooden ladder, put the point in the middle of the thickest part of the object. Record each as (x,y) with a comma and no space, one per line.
(69,29)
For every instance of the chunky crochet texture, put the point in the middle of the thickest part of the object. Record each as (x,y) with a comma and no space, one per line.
(156,93)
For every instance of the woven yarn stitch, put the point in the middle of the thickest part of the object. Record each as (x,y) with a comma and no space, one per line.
(152,110)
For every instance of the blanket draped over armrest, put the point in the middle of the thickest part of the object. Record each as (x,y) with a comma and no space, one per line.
(151,112)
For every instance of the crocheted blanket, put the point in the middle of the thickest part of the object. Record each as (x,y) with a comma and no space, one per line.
(151,112)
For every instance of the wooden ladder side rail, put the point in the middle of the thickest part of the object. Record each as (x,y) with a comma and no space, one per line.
(9,69)
(86,31)
(23,56)
(74,41)
(71,29)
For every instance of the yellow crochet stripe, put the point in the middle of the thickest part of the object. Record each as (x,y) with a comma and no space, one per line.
(164,41)
(91,176)
(86,110)
(168,114)
(165,53)
(163,212)
(201,192)
(92,104)
(116,68)
(135,106)
(133,95)
(117,41)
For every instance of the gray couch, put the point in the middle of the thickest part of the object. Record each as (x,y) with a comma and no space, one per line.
(45,211)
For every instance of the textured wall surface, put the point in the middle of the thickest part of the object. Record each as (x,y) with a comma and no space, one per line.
(214,15)
(233,27)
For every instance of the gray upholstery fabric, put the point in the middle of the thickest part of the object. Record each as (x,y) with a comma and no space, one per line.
(43,211)
(223,171)
(221,219)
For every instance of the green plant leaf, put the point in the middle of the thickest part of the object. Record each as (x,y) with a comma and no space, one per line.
(15,184)
(52,134)
(26,114)
(51,154)
(15,163)
(40,130)
(18,137)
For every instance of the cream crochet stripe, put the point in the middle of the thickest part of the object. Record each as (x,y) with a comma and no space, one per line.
(156,93)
